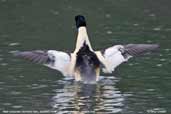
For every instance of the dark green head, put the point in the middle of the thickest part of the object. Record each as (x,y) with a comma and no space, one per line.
(80,21)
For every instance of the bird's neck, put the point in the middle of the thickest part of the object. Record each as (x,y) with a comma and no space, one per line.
(82,38)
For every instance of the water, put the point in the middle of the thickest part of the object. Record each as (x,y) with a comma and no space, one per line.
(141,86)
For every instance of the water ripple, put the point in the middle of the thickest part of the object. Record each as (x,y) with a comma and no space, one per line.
(102,97)
(17,106)
(14,44)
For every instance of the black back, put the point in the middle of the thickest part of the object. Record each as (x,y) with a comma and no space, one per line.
(87,63)
(87,57)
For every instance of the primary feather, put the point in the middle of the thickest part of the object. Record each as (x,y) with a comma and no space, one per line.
(54,59)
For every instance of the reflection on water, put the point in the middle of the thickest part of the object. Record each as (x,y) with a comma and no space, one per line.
(75,97)
(63,96)
(144,85)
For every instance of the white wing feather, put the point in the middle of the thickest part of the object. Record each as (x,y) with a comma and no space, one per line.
(118,54)
(61,63)
(114,58)
(57,60)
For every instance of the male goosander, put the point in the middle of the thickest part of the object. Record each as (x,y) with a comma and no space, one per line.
(84,63)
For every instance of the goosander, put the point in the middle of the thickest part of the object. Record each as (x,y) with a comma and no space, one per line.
(84,64)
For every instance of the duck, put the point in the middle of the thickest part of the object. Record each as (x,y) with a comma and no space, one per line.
(85,64)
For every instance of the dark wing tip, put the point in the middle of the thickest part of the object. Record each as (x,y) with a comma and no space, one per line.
(155,46)
(37,56)
(18,54)
(138,49)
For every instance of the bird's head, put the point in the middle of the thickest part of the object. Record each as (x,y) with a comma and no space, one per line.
(80,21)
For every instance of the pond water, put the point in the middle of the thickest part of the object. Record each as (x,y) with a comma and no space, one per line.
(141,86)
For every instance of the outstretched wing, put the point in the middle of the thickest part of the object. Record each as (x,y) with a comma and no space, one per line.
(138,49)
(118,54)
(37,56)
(54,59)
